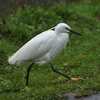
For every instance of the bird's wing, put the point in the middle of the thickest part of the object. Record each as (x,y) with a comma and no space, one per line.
(35,48)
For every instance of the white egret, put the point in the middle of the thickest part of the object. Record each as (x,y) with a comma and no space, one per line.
(43,48)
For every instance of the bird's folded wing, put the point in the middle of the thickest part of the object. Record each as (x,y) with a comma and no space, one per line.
(35,48)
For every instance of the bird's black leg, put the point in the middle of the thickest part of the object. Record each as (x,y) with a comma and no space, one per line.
(56,71)
(27,75)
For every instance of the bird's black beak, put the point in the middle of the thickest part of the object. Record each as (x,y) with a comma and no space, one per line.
(73,32)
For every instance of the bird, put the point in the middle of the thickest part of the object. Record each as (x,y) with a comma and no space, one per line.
(43,48)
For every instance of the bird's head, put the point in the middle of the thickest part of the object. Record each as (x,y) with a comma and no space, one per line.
(64,28)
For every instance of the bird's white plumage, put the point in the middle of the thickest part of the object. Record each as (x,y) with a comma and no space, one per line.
(42,48)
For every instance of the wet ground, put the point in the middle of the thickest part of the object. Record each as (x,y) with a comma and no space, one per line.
(91,97)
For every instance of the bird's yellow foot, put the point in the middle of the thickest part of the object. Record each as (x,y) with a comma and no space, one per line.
(76,78)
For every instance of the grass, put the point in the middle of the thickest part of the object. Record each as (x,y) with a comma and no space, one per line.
(80,58)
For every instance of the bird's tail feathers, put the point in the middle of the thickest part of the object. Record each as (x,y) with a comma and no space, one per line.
(11,60)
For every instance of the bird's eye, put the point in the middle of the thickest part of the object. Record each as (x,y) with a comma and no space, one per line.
(53,28)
